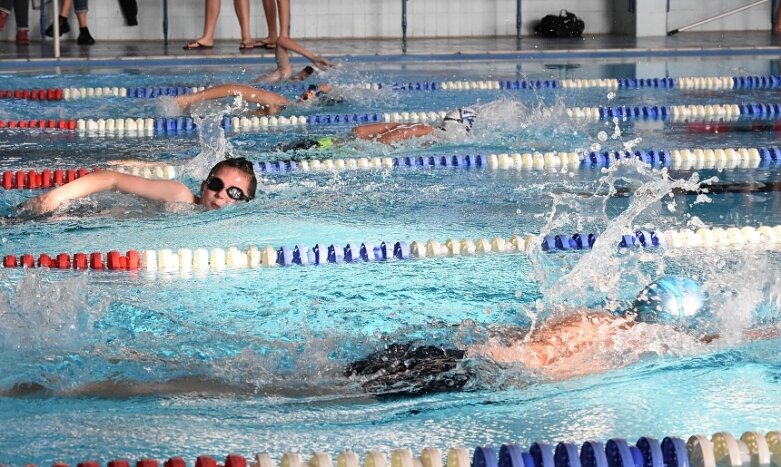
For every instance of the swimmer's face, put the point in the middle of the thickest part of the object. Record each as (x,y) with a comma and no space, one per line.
(230,178)
(309,95)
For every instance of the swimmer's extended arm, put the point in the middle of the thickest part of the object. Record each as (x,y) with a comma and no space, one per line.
(270,101)
(389,133)
(155,190)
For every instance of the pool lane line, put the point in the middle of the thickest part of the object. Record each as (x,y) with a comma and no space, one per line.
(49,178)
(676,159)
(186,260)
(722,448)
(685,83)
(173,126)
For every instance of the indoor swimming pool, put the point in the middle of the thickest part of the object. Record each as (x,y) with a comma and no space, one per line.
(164,360)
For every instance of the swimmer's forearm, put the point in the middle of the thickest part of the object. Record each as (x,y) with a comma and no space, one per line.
(248,93)
(83,186)
(97,182)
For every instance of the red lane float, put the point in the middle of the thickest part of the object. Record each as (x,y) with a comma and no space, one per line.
(78,261)
(53,94)
(53,124)
(45,179)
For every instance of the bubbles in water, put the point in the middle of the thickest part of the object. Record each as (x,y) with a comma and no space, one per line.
(602,136)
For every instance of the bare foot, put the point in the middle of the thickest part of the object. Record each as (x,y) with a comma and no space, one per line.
(280,74)
(323,63)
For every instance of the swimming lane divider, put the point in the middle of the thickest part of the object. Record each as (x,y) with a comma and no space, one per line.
(721,449)
(160,126)
(686,83)
(47,178)
(218,259)
(677,159)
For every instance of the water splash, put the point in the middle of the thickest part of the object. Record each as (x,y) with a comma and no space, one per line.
(39,313)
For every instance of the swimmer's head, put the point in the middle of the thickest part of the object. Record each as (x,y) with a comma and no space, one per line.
(463,117)
(229,181)
(305,73)
(670,300)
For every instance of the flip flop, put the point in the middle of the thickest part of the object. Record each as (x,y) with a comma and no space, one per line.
(195,45)
(246,46)
(265,45)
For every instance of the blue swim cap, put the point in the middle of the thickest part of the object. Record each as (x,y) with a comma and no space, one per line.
(669,299)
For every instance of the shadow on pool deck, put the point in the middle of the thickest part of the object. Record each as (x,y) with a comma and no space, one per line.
(688,44)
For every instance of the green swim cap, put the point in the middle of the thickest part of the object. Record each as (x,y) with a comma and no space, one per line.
(325,142)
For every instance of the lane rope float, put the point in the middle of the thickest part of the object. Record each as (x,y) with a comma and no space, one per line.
(220,259)
(722,449)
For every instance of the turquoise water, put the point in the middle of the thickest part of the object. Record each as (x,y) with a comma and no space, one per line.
(108,365)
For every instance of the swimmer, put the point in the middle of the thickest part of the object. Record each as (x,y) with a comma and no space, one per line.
(460,120)
(569,347)
(268,103)
(230,181)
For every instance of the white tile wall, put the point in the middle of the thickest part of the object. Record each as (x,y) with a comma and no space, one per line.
(382,18)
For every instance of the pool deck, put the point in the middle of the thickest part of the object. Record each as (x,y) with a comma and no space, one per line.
(151,53)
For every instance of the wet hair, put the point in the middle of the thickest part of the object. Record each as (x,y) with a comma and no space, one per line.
(242,165)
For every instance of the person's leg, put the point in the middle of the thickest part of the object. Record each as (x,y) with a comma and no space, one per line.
(210,16)
(65,11)
(283,70)
(85,38)
(283,6)
(777,29)
(81,12)
(291,44)
(22,13)
(270,10)
(5,12)
(242,13)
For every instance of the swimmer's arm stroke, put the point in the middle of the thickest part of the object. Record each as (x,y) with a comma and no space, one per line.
(155,190)
(270,102)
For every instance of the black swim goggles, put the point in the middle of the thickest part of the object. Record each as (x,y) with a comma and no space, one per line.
(216,185)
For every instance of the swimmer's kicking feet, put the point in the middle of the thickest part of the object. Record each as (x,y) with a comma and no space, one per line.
(229,181)
(573,346)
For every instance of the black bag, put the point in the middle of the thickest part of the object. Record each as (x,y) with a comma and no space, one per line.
(566,24)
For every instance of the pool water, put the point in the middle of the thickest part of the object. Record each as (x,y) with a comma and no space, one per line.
(138,364)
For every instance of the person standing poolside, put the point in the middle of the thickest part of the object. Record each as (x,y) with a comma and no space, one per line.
(230,181)
(283,44)
(22,13)
(211,14)
(85,38)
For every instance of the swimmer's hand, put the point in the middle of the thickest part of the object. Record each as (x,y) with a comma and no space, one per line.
(41,204)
